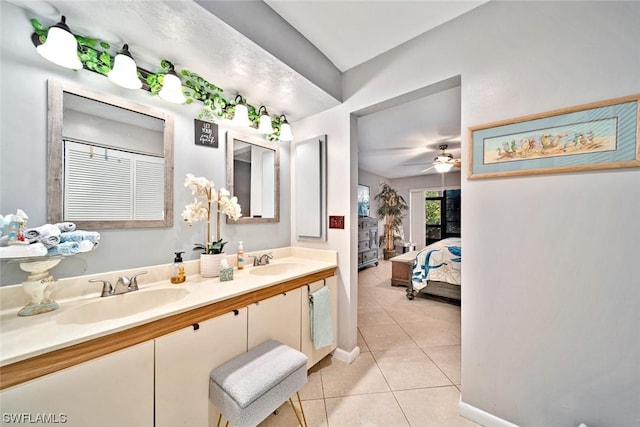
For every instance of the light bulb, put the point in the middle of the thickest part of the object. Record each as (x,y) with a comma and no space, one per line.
(172,88)
(61,46)
(125,71)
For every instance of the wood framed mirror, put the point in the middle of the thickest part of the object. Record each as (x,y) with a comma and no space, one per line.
(253,176)
(109,160)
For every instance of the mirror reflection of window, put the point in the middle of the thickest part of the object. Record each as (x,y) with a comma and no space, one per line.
(110,162)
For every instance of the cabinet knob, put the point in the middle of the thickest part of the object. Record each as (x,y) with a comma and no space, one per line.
(236,312)
(196,326)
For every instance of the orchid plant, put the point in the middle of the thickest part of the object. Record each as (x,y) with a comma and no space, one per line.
(206,201)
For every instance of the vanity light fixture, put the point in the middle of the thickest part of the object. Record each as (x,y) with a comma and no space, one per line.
(241,115)
(61,46)
(285,129)
(172,88)
(264,125)
(125,72)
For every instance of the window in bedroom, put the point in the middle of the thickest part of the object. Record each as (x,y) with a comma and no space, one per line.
(442,215)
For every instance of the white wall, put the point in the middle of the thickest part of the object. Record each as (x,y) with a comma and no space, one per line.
(550,323)
(23,160)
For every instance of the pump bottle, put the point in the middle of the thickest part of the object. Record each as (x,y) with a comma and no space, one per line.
(240,256)
(178,275)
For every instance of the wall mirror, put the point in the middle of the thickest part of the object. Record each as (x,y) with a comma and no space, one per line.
(311,188)
(110,161)
(253,176)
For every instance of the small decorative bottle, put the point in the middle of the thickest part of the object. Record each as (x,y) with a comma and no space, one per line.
(178,275)
(240,256)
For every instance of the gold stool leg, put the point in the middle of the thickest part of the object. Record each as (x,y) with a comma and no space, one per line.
(219,419)
(302,422)
(302,409)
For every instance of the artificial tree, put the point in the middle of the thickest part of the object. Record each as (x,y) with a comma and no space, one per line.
(391,208)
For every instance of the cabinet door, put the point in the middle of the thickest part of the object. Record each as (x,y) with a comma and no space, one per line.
(307,344)
(276,318)
(112,390)
(184,361)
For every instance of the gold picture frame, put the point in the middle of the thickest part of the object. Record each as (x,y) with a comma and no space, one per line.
(595,136)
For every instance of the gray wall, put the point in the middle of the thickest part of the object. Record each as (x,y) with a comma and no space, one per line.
(23,162)
(550,319)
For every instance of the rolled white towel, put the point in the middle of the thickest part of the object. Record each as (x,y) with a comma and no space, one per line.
(35,234)
(49,241)
(66,226)
(20,251)
(86,246)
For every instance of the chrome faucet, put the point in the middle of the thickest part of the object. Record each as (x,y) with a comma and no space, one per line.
(262,259)
(123,285)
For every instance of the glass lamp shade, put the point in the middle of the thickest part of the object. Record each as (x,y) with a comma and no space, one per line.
(443,167)
(241,115)
(124,72)
(265,126)
(285,131)
(172,89)
(61,47)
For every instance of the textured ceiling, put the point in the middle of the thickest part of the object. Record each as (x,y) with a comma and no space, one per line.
(352,32)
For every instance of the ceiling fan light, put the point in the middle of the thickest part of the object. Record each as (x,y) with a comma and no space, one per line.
(125,72)
(61,46)
(265,126)
(285,130)
(172,88)
(443,167)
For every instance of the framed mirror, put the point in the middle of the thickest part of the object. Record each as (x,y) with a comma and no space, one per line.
(311,188)
(110,160)
(253,176)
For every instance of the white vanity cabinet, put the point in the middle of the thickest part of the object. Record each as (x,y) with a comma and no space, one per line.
(184,360)
(112,390)
(307,344)
(275,318)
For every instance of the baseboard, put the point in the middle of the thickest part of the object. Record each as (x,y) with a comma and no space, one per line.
(481,417)
(346,356)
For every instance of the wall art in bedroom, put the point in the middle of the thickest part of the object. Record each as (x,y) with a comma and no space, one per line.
(600,135)
(363,200)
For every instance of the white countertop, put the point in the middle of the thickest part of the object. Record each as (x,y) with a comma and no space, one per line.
(25,337)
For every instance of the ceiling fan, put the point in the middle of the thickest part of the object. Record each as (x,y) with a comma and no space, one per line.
(444,161)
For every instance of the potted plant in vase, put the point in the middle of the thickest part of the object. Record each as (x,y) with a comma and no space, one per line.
(206,201)
(391,208)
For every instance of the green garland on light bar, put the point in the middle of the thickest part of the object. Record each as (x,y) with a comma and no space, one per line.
(95,56)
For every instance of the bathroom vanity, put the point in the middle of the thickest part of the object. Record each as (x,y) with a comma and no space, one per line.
(104,366)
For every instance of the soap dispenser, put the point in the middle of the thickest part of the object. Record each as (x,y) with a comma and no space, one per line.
(178,275)
(240,256)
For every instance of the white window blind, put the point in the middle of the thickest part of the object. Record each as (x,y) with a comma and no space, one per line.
(107,184)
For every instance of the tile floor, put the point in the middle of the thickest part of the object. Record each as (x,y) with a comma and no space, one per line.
(408,371)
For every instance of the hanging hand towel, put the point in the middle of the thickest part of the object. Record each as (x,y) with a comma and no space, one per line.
(321,322)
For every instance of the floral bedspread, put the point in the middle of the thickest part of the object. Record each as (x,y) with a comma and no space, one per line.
(439,261)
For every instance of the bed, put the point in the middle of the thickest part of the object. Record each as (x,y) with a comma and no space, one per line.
(436,270)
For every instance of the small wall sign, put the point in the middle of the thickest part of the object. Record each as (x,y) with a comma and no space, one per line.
(336,222)
(206,133)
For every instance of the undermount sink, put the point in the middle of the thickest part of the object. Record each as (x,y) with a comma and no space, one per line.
(277,269)
(123,305)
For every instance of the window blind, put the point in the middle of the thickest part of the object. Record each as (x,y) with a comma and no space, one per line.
(107,184)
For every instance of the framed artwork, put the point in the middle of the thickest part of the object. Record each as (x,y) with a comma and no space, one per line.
(363,200)
(601,135)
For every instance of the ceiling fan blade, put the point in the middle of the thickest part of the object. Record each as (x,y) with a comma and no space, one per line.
(427,169)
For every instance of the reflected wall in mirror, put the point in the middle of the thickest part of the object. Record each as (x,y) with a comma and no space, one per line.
(110,161)
(253,176)
(311,188)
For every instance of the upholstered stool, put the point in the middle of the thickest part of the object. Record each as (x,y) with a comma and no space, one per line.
(254,384)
